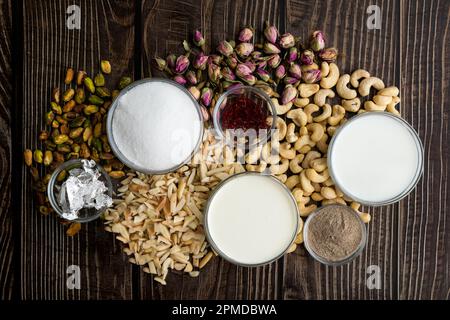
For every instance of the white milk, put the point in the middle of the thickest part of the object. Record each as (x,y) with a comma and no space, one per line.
(375,158)
(252,219)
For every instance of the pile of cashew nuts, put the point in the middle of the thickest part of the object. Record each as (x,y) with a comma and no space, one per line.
(305,127)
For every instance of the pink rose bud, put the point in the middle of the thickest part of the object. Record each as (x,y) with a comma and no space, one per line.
(160,63)
(280,72)
(225,48)
(232,61)
(228,74)
(328,54)
(291,80)
(195,92)
(295,71)
(246,35)
(289,94)
(311,76)
(317,41)
(274,61)
(180,79)
(263,74)
(206,96)
(251,65)
(200,61)
(198,38)
(171,61)
(182,64)
(243,70)
(292,55)
(191,76)
(287,40)
(244,49)
(250,79)
(307,57)
(270,48)
(271,34)
(216,59)
(214,72)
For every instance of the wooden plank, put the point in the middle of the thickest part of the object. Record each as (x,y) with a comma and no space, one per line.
(165,25)
(107,32)
(424,241)
(6,219)
(377,51)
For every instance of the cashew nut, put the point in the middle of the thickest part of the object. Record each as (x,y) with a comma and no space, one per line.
(294,164)
(253,155)
(371,106)
(306,90)
(391,106)
(303,131)
(342,89)
(321,96)
(281,109)
(356,75)
(382,100)
(258,168)
(305,211)
(292,181)
(331,130)
(281,177)
(316,186)
(365,217)
(389,92)
(328,193)
(319,164)
(316,196)
(324,69)
(338,114)
(309,157)
(316,177)
(269,155)
(316,131)
(326,113)
(280,168)
(301,102)
(303,141)
(333,201)
(329,182)
(309,110)
(332,77)
(286,152)
(291,137)
(299,196)
(322,144)
(298,116)
(352,105)
(306,184)
(305,149)
(367,83)
(280,124)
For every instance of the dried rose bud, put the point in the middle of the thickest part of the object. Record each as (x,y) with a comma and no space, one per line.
(274,61)
(270,48)
(225,48)
(243,70)
(295,71)
(228,74)
(206,96)
(289,94)
(292,55)
(198,38)
(317,41)
(311,76)
(291,80)
(232,61)
(262,64)
(214,72)
(271,34)
(251,65)
(180,79)
(256,55)
(246,35)
(216,59)
(250,79)
(328,54)
(171,61)
(160,63)
(280,72)
(263,74)
(182,64)
(244,49)
(233,85)
(191,76)
(287,40)
(307,57)
(200,61)
(195,92)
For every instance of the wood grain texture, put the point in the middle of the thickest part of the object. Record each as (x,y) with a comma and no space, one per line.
(6,219)
(165,25)
(107,29)
(423,238)
(378,52)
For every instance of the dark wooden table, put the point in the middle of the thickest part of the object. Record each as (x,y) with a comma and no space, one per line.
(409,241)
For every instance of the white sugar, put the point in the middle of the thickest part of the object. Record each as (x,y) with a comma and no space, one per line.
(156,126)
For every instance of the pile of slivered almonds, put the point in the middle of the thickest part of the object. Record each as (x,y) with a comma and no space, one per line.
(160,217)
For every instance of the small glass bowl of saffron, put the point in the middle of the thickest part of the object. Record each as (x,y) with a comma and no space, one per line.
(244,115)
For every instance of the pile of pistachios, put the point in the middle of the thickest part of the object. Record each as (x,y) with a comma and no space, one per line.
(277,65)
(76,128)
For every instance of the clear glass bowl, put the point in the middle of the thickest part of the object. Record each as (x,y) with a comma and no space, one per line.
(250,93)
(113,144)
(85,215)
(345,260)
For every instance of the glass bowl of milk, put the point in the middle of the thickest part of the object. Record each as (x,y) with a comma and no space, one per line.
(375,158)
(251,219)
(154,126)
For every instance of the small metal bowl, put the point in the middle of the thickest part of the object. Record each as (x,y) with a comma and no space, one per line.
(85,215)
(109,124)
(323,260)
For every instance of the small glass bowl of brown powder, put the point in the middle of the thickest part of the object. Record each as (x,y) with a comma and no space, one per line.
(334,234)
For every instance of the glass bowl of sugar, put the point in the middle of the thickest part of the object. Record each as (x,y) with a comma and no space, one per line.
(154,126)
